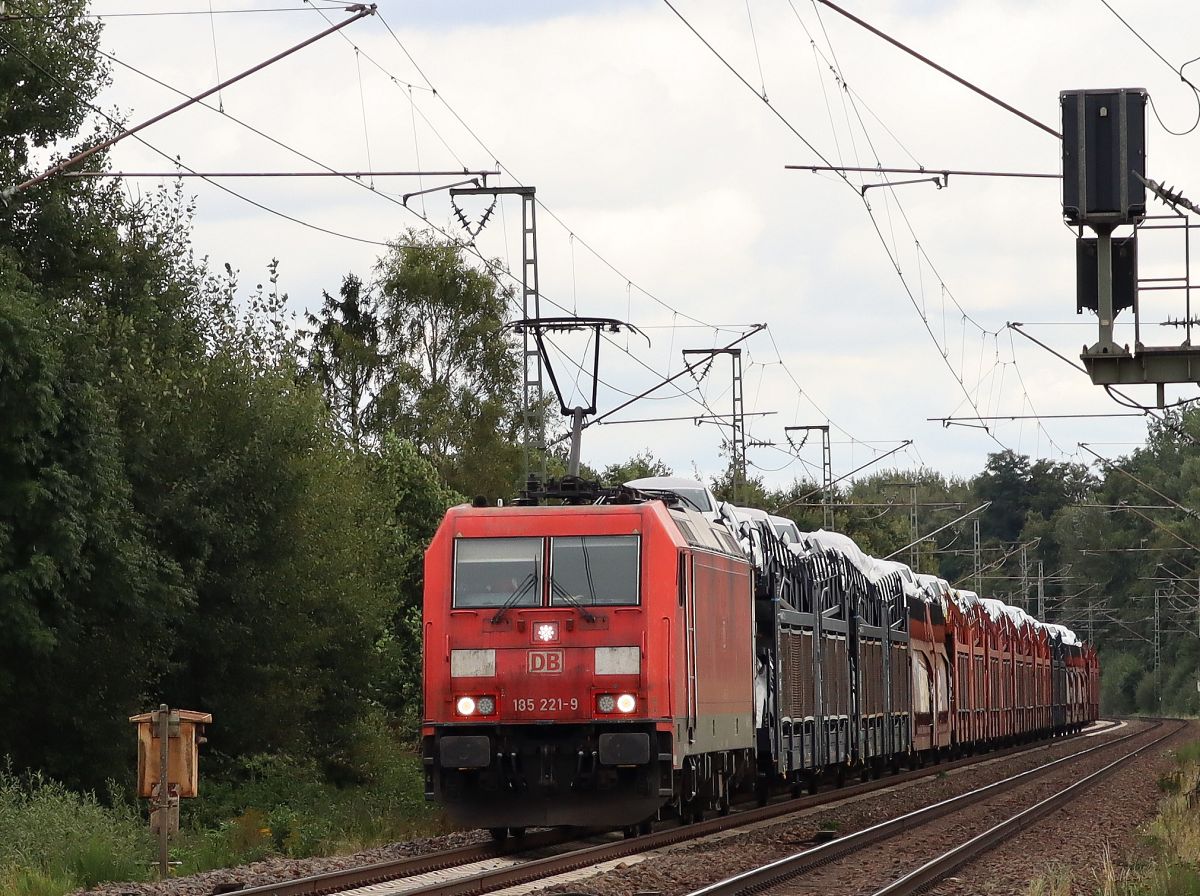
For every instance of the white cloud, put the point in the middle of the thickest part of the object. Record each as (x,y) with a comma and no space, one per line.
(652,152)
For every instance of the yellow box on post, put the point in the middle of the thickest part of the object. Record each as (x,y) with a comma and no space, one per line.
(186,733)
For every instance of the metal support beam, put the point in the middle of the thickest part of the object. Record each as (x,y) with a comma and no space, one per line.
(915,558)
(533,407)
(978,560)
(1024,578)
(827,520)
(1157,650)
(737,438)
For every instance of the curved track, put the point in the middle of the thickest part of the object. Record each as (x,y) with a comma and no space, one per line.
(933,871)
(778,873)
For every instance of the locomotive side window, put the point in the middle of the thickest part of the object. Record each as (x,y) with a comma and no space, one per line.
(594,569)
(497,572)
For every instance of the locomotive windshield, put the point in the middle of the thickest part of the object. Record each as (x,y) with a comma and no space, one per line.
(594,569)
(495,572)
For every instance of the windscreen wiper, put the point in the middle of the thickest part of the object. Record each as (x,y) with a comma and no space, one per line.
(511,601)
(572,600)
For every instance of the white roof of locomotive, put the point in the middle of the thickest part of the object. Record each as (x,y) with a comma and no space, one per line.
(674,484)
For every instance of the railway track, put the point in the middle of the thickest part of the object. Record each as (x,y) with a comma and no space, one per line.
(945,864)
(481,868)
(777,876)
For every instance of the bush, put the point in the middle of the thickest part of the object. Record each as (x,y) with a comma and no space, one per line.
(288,805)
(53,840)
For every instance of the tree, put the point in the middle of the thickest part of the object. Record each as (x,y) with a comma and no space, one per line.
(1005,482)
(1118,684)
(642,465)
(345,358)
(753,493)
(450,383)
(413,502)
(84,594)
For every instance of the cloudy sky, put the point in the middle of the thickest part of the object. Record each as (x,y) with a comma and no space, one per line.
(665,200)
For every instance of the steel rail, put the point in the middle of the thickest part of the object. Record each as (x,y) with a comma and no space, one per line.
(933,871)
(758,879)
(535,868)
(409,866)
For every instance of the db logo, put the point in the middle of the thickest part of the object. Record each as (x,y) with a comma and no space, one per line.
(545,661)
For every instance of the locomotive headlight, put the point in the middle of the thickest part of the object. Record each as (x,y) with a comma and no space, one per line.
(546,632)
(486,705)
(627,703)
(466,706)
(606,703)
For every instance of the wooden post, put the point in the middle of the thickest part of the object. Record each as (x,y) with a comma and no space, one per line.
(164,798)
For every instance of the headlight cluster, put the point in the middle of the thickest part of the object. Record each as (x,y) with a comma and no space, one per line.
(622,703)
(476,706)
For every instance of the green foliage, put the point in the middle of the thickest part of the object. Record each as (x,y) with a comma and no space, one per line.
(345,358)
(53,840)
(415,502)
(34,882)
(1018,489)
(51,837)
(82,590)
(1119,683)
(752,492)
(641,466)
(451,375)
(185,514)
(1188,754)
(286,805)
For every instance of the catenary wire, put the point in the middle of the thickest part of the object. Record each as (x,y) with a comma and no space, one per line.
(835,68)
(1167,63)
(875,224)
(176,161)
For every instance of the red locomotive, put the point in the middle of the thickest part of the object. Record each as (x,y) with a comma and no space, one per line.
(576,657)
(598,664)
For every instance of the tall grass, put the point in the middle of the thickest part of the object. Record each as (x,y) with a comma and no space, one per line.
(53,840)
(285,805)
(1173,837)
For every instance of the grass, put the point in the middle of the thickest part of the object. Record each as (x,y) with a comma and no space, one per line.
(1172,839)
(54,841)
(1055,882)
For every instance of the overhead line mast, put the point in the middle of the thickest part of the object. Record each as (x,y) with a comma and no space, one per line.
(737,439)
(533,407)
